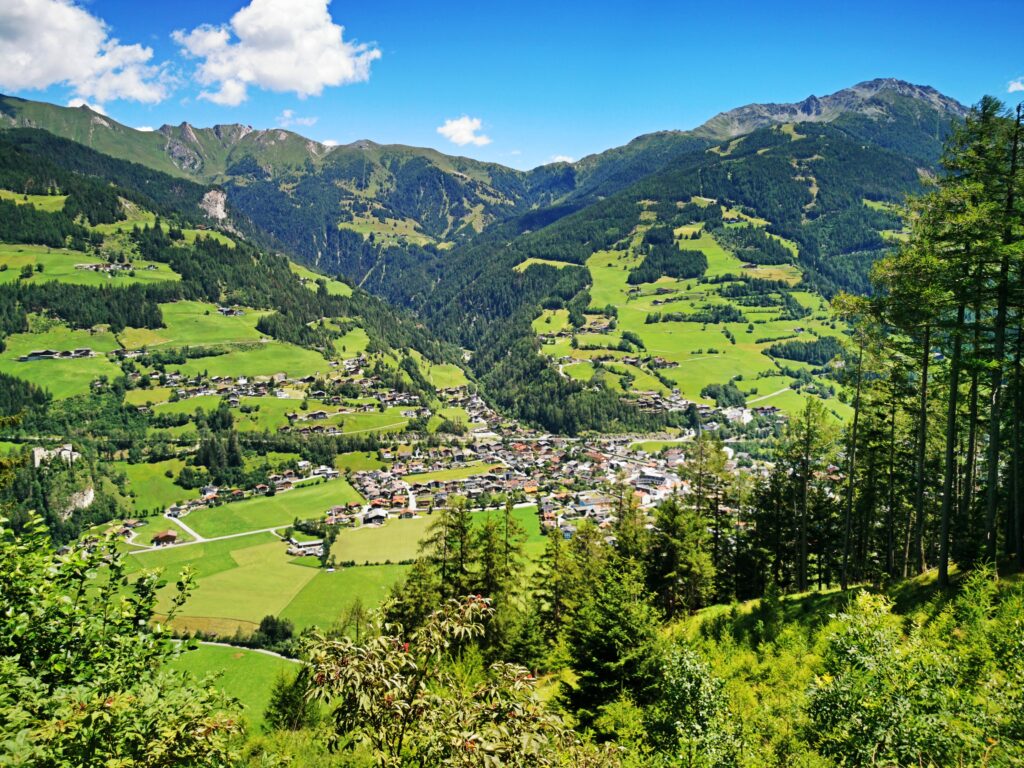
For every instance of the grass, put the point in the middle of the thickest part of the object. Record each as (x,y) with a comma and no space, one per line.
(62,378)
(445,375)
(242,673)
(352,344)
(196,324)
(389,231)
(280,510)
(374,421)
(357,461)
(456,473)
(149,396)
(326,597)
(334,287)
(533,260)
(396,540)
(551,321)
(60,264)
(152,488)
(271,414)
(262,359)
(48,203)
(241,580)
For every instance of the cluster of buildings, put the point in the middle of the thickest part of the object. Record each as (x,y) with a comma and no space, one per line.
(54,354)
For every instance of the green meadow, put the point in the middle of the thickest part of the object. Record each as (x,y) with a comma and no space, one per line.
(260,359)
(334,287)
(194,323)
(150,485)
(48,203)
(240,580)
(304,502)
(456,473)
(62,378)
(246,674)
(60,264)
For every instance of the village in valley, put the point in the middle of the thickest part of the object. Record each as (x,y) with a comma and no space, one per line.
(490,460)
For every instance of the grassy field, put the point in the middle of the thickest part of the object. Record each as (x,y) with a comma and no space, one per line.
(245,674)
(62,378)
(524,265)
(457,473)
(373,421)
(59,264)
(334,287)
(444,375)
(241,580)
(48,203)
(352,344)
(152,488)
(150,396)
(261,359)
(357,461)
(324,599)
(280,510)
(395,540)
(194,323)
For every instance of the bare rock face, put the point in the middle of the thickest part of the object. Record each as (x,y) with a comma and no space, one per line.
(214,205)
(872,98)
(80,500)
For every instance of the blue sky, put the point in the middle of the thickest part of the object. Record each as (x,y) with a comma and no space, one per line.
(534,81)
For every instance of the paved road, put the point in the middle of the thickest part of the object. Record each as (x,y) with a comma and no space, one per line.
(765,397)
(201,540)
(178,522)
(264,651)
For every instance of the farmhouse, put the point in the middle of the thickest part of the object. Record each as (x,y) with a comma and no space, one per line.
(165,538)
(304,548)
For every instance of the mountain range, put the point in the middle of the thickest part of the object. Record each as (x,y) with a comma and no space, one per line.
(443,235)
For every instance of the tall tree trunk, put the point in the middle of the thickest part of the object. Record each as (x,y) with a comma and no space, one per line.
(949,465)
(851,470)
(922,442)
(971,461)
(1018,481)
(890,514)
(999,352)
(804,483)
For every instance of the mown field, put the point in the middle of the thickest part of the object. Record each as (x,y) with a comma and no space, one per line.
(62,378)
(195,324)
(240,580)
(304,502)
(151,487)
(246,674)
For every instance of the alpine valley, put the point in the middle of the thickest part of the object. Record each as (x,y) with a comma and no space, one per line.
(704,450)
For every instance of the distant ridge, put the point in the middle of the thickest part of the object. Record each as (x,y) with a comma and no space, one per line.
(872,98)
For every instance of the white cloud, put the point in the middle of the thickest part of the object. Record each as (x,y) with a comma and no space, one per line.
(145,128)
(464,130)
(76,102)
(49,42)
(288,118)
(1015,86)
(562,159)
(329,143)
(280,45)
